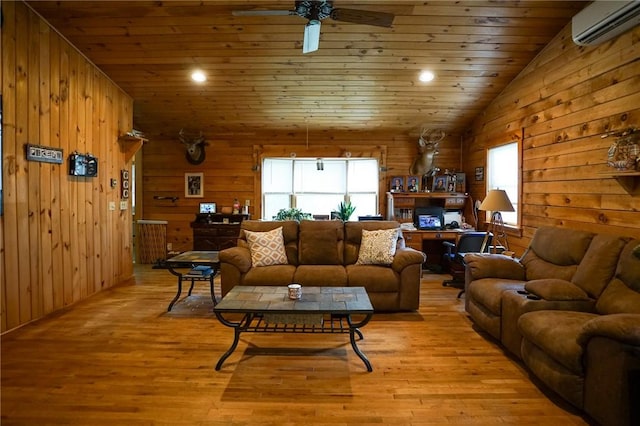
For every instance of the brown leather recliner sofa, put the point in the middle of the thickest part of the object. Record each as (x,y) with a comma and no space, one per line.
(325,253)
(569,309)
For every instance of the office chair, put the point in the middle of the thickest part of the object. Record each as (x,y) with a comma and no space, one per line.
(453,260)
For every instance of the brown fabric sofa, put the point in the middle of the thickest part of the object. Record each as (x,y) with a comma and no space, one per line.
(569,308)
(324,253)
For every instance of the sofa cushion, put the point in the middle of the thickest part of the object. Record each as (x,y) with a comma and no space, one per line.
(353,236)
(618,298)
(599,263)
(375,278)
(320,243)
(622,294)
(378,247)
(321,275)
(267,248)
(289,233)
(553,289)
(556,333)
(555,253)
(270,275)
(628,269)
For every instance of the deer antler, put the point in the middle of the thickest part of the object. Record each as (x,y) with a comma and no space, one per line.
(189,142)
(430,136)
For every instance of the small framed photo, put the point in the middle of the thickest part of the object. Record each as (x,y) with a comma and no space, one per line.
(397,184)
(413,184)
(440,183)
(194,185)
(479,173)
(461,182)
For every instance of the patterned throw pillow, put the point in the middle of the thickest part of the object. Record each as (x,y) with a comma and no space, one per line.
(267,248)
(378,247)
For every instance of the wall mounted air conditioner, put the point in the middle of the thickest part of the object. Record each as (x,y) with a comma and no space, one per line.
(604,20)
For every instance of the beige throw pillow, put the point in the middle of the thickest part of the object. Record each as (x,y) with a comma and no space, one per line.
(267,248)
(378,247)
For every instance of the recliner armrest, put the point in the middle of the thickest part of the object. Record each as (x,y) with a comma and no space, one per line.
(485,265)
(624,328)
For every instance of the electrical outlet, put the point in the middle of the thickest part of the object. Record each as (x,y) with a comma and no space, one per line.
(169,246)
(123,205)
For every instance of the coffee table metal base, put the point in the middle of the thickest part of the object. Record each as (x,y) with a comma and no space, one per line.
(332,323)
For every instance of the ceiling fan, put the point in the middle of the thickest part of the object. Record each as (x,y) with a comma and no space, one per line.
(315,11)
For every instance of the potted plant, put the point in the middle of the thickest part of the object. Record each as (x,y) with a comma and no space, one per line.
(292,214)
(345,210)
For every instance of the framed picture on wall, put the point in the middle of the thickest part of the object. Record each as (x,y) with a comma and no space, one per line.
(461,182)
(413,184)
(479,173)
(440,183)
(194,185)
(396,184)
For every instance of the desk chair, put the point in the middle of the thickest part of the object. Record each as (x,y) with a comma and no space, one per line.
(453,260)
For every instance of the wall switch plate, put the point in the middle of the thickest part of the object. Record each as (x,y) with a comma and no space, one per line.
(112,205)
(169,246)
(123,205)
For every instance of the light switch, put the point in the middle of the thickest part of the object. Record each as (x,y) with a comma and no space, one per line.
(112,205)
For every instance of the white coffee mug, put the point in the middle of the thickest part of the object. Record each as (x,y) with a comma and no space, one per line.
(295,291)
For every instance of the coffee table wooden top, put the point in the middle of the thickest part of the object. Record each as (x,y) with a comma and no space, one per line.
(331,300)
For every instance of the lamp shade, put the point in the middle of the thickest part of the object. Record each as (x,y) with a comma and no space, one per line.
(497,201)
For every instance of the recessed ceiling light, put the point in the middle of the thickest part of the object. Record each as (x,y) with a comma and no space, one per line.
(198,76)
(426,76)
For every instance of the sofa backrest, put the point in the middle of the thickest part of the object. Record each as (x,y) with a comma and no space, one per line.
(599,263)
(353,236)
(622,294)
(555,253)
(289,233)
(321,242)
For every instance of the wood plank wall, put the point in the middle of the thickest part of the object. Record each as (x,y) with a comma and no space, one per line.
(562,103)
(228,172)
(59,241)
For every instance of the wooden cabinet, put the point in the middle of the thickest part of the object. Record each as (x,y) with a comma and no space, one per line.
(215,232)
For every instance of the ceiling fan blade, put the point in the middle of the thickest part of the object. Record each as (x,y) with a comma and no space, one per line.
(367,17)
(255,12)
(311,37)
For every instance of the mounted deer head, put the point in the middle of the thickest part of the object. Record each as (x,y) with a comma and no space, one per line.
(195,147)
(427,150)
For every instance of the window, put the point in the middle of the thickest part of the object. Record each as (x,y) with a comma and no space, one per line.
(502,173)
(299,183)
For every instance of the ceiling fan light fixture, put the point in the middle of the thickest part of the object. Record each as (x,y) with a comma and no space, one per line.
(311,36)
(198,76)
(426,76)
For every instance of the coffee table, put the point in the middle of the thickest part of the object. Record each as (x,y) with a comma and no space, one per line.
(268,309)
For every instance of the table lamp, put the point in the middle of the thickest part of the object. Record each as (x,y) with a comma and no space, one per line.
(496,201)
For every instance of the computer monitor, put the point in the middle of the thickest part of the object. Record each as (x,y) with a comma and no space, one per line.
(427,221)
(429,218)
(207,207)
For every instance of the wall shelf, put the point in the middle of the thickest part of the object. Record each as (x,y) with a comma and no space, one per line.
(129,145)
(630,181)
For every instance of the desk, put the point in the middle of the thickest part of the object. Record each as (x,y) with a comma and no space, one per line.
(191,260)
(430,242)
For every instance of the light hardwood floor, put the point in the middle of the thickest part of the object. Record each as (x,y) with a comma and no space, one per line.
(120,359)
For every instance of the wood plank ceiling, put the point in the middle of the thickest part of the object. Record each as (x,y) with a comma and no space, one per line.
(363,78)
